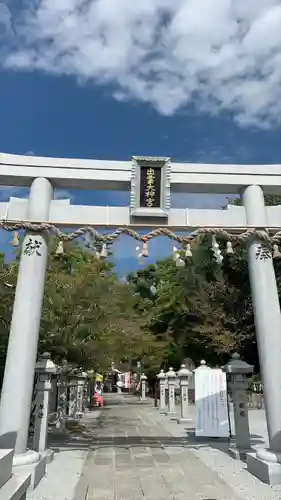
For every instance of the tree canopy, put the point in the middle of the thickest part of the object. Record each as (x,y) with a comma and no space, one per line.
(202,310)
(89,316)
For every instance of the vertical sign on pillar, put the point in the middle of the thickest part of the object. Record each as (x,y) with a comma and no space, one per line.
(183,376)
(150,187)
(162,388)
(171,376)
(241,416)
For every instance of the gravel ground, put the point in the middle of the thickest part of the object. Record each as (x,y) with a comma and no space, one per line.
(233,472)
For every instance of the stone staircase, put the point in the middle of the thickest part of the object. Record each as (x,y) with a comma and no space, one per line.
(12,486)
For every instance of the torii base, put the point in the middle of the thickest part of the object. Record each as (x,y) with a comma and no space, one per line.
(36,469)
(267,472)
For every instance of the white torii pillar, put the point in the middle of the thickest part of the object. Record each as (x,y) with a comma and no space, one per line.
(265,464)
(16,396)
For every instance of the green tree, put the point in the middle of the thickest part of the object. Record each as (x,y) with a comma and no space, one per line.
(89,317)
(203,310)
(173,313)
(7,287)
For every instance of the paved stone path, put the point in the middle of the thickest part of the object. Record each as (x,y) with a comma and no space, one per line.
(134,457)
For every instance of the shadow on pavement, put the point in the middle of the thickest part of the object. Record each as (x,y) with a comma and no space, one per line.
(103,442)
(111,430)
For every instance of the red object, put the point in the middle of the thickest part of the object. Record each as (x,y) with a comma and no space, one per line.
(98,399)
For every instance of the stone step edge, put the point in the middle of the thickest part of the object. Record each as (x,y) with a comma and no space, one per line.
(16,487)
(6,464)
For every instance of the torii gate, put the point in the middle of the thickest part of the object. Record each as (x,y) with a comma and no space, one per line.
(151,181)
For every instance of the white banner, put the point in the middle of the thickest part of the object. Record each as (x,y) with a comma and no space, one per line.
(211,403)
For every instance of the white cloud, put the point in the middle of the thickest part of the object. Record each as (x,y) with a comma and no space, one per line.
(221,55)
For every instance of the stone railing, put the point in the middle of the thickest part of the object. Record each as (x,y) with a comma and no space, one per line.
(255,400)
(191,396)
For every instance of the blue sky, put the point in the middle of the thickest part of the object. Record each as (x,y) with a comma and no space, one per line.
(69,106)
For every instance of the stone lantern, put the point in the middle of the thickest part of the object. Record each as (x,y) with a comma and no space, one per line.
(183,376)
(45,369)
(172,377)
(162,385)
(143,381)
(236,371)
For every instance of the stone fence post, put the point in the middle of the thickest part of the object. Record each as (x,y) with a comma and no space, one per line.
(183,376)
(90,387)
(171,376)
(81,382)
(143,381)
(54,395)
(62,400)
(162,388)
(44,368)
(72,396)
